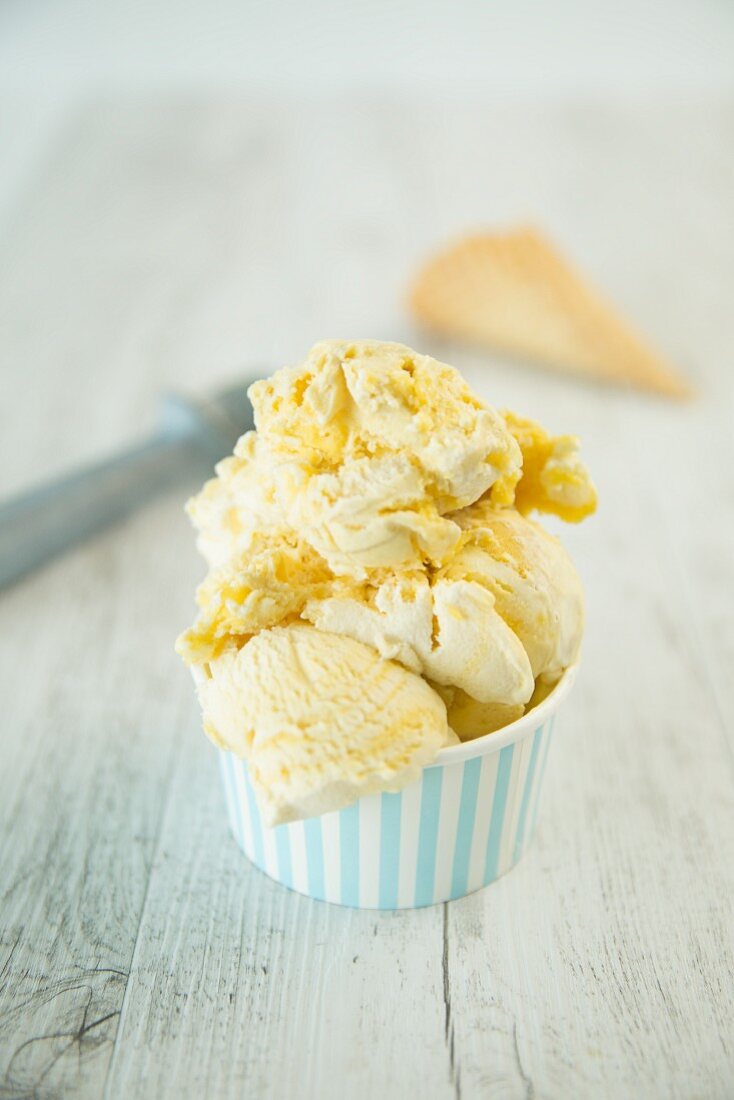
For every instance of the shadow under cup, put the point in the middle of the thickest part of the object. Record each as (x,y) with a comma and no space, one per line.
(465,821)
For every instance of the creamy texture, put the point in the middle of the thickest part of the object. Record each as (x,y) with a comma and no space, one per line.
(373,570)
(363,450)
(554,479)
(448,631)
(256,589)
(469,718)
(506,608)
(369,399)
(535,585)
(323,720)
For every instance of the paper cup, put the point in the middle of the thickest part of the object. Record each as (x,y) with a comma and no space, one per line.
(465,822)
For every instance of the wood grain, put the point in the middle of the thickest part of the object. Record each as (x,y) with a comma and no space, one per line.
(174,244)
(260,992)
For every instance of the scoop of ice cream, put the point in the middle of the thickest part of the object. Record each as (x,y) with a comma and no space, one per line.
(372,513)
(362,449)
(536,588)
(321,719)
(371,568)
(348,400)
(448,630)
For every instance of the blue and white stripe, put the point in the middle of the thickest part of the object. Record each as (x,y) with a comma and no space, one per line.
(460,826)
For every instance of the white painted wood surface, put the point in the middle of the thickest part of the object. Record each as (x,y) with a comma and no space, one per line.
(175,244)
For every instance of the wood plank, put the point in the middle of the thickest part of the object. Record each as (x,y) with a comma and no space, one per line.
(241,987)
(90,720)
(168,245)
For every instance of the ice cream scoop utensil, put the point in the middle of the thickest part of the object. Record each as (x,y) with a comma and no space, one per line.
(192,435)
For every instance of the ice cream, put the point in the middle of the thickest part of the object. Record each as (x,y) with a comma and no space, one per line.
(375,585)
(322,719)
(536,589)
(363,450)
(447,630)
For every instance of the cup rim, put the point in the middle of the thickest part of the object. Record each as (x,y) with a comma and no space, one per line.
(514,731)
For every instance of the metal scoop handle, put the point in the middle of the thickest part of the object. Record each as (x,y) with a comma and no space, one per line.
(40,524)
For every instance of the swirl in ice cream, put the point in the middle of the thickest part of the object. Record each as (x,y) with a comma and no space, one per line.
(375,585)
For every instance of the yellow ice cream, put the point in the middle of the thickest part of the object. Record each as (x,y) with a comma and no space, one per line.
(373,570)
(536,588)
(448,630)
(267,585)
(554,479)
(469,718)
(362,450)
(505,609)
(322,720)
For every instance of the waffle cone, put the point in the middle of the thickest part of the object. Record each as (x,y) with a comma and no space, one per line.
(514,293)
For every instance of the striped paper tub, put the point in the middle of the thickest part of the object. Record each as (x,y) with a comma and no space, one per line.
(466,821)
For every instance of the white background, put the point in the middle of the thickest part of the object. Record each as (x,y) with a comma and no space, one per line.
(54,53)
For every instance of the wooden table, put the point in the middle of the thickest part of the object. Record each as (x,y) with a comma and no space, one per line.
(177,244)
